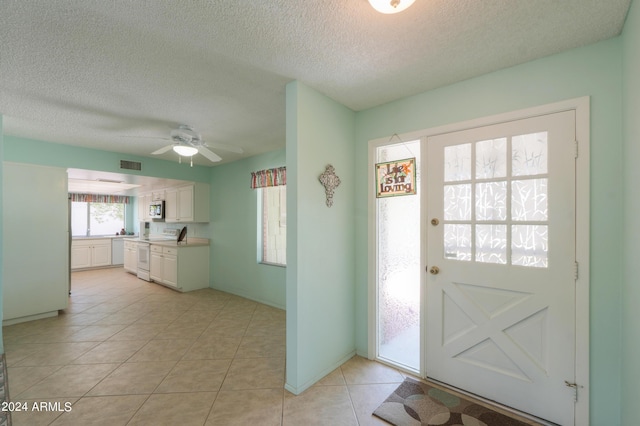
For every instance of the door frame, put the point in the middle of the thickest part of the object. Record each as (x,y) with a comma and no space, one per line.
(581,106)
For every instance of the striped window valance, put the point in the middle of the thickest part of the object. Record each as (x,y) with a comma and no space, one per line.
(99,198)
(269,177)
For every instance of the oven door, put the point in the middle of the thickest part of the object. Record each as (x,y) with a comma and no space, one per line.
(143,256)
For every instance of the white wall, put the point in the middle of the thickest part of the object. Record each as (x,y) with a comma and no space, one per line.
(35,240)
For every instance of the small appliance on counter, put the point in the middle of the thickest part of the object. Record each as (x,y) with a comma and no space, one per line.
(144,230)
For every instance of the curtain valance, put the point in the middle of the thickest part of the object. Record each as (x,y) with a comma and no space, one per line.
(99,198)
(269,177)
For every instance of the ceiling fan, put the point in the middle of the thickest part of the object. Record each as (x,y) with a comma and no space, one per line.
(187,142)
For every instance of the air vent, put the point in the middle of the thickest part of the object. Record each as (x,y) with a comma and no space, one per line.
(130,165)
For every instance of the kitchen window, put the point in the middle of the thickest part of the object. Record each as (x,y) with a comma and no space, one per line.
(96,219)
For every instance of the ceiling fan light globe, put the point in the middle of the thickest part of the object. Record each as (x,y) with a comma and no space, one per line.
(185,151)
(390,6)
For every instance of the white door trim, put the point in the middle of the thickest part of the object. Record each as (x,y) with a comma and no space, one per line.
(582,109)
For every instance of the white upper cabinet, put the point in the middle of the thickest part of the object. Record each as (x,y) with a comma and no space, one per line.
(185,203)
(143,207)
(188,203)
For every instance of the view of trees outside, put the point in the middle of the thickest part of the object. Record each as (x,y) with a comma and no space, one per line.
(95,219)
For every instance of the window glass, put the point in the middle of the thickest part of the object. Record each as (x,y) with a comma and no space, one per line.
(272,233)
(96,219)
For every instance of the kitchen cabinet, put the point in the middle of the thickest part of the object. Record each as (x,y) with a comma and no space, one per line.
(157,195)
(171,205)
(143,207)
(188,203)
(164,265)
(183,268)
(131,256)
(90,253)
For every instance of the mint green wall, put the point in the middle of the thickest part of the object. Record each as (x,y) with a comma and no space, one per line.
(631,155)
(590,71)
(1,232)
(23,150)
(131,216)
(320,240)
(234,233)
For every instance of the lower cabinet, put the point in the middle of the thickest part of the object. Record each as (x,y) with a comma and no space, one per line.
(183,268)
(131,256)
(90,253)
(163,268)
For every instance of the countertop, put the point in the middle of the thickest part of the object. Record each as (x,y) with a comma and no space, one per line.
(188,242)
(104,237)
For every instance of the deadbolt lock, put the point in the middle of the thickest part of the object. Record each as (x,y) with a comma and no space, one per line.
(434,270)
(435,221)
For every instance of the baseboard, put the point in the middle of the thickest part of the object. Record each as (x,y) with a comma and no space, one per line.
(29,318)
(246,296)
(299,389)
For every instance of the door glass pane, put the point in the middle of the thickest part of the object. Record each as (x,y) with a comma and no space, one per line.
(491,201)
(529,199)
(529,154)
(457,202)
(529,245)
(491,158)
(457,163)
(457,242)
(399,267)
(491,243)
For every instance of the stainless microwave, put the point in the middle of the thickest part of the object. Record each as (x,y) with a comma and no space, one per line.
(156,210)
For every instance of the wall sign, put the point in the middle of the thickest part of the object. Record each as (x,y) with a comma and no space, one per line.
(396,178)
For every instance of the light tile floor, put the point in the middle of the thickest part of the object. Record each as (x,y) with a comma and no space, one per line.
(128,352)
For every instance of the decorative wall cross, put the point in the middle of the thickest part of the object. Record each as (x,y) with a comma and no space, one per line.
(330,181)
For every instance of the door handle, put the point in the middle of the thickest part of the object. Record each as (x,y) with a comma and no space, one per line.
(434,270)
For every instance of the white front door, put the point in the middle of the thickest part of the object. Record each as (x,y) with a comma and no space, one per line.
(501,257)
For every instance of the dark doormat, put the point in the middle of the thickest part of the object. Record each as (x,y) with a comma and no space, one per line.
(417,403)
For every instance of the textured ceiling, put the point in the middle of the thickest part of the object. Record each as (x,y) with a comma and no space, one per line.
(118,75)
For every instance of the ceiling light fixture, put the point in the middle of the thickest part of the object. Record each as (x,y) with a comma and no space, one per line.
(185,151)
(390,6)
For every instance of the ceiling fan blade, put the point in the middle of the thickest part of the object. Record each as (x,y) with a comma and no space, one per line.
(224,147)
(145,137)
(162,150)
(210,155)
